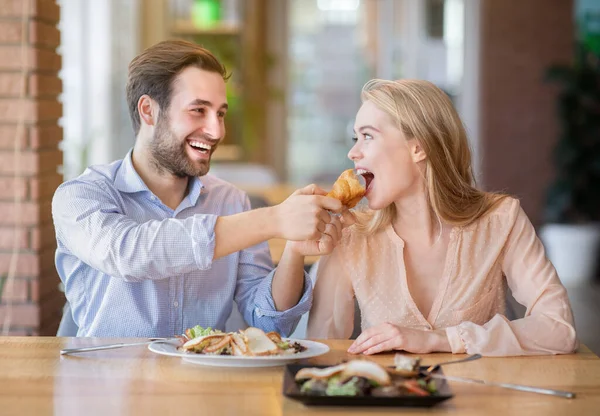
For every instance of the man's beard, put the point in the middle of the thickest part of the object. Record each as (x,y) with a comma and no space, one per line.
(170,154)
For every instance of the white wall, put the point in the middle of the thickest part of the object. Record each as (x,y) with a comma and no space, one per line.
(98,39)
(468,100)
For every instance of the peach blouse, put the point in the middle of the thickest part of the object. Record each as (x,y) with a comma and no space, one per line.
(482,258)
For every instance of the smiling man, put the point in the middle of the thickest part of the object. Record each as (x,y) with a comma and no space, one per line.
(152,244)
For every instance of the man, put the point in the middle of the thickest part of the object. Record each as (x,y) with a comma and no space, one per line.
(151,245)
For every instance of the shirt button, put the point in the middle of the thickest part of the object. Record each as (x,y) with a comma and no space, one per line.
(176,304)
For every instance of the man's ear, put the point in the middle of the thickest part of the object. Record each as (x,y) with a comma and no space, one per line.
(417,152)
(148,110)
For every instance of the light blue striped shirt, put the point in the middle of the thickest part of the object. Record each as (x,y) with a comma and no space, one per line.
(134,267)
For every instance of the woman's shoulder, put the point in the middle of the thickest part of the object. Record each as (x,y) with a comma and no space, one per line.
(501,216)
(508,207)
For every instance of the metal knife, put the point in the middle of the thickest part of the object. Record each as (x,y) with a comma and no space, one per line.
(68,351)
(520,387)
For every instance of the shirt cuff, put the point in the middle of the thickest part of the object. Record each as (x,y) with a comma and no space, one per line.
(203,240)
(282,321)
(457,345)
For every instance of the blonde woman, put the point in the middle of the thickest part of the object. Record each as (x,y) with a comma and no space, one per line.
(430,260)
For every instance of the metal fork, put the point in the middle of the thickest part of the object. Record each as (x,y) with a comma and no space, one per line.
(520,387)
(430,373)
(68,351)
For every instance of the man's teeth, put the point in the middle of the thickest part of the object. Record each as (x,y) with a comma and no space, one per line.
(200,145)
(361,171)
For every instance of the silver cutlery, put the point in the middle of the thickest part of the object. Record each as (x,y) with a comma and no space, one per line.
(68,351)
(520,387)
(430,372)
(434,367)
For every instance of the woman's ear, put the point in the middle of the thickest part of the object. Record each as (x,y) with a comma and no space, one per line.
(417,152)
(147,110)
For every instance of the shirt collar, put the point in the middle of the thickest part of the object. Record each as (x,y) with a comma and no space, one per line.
(196,187)
(129,181)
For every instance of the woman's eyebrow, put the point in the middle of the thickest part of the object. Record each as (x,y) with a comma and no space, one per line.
(367,127)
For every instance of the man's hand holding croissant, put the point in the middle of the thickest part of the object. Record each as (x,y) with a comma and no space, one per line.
(349,191)
(330,227)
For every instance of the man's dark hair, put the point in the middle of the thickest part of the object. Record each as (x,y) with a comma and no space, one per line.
(153,71)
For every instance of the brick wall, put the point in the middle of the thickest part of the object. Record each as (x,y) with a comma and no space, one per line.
(518,130)
(29,113)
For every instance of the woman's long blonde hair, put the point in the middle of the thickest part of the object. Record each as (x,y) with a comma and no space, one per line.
(425,113)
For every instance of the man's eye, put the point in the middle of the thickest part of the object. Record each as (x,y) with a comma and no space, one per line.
(354,139)
(198,110)
(368,137)
(221,114)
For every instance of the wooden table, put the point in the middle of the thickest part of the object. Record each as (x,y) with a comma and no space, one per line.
(36,380)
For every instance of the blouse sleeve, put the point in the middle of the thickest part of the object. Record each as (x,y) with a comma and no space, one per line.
(547,327)
(332,313)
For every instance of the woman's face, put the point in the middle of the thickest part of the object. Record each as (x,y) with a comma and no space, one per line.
(381,153)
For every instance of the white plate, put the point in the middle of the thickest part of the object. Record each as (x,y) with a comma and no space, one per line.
(313,349)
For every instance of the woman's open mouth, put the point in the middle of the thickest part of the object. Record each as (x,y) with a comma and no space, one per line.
(368,177)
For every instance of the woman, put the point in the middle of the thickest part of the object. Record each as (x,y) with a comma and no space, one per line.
(430,260)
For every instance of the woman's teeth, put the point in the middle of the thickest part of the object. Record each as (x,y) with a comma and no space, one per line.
(367,175)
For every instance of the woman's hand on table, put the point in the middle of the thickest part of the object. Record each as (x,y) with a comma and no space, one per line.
(388,337)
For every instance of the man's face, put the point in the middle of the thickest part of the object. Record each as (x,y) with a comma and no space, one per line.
(188,132)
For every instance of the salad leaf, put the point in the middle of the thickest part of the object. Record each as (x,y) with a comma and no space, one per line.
(335,388)
(431,386)
(308,385)
(428,386)
(199,331)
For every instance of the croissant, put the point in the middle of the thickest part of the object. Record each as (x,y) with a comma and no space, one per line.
(347,189)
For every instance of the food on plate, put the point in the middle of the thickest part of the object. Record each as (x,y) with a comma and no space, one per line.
(360,378)
(406,366)
(199,331)
(348,189)
(354,378)
(275,337)
(251,342)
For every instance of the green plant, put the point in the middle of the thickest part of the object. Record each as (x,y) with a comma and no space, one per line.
(574,196)
(2,282)
(226,48)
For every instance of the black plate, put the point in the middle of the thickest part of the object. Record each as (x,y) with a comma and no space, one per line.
(291,389)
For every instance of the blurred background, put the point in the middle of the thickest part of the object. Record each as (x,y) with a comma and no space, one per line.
(523,74)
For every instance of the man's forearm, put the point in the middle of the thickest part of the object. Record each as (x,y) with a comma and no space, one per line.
(169,244)
(288,281)
(240,231)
